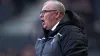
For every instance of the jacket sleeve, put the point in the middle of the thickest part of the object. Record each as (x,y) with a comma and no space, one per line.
(74,43)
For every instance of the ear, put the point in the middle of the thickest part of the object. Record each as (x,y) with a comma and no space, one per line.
(57,14)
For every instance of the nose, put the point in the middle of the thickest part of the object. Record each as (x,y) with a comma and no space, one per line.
(41,15)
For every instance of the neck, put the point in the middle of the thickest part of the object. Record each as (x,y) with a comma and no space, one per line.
(54,27)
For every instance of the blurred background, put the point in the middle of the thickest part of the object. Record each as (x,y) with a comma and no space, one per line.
(20,25)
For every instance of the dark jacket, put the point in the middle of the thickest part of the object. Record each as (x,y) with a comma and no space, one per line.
(68,39)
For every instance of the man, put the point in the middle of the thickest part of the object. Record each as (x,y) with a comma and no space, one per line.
(64,34)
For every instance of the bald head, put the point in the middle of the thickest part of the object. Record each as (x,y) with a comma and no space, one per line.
(56,4)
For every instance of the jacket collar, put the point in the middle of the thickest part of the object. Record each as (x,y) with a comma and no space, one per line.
(55,26)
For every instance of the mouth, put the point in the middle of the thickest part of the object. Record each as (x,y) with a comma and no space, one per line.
(42,22)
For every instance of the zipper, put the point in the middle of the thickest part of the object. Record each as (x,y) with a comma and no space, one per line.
(43,45)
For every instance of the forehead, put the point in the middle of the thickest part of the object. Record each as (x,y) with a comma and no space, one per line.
(48,6)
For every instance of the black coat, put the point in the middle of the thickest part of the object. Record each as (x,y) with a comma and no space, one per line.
(68,39)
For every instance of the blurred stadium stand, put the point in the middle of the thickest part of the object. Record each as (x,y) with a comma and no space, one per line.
(20,25)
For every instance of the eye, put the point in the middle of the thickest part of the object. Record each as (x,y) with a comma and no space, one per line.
(42,12)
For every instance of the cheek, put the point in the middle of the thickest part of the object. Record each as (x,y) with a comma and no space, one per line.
(48,22)
(49,18)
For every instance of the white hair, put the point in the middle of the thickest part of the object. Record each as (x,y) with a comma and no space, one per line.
(57,4)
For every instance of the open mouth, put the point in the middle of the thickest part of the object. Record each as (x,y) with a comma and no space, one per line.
(42,22)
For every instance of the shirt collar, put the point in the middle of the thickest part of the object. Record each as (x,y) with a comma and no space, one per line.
(54,27)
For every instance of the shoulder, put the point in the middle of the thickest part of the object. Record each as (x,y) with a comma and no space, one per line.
(73,33)
(71,28)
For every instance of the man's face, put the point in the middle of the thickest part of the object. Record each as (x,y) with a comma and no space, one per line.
(48,16)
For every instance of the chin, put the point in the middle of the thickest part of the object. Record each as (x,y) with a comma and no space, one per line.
(46,28)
